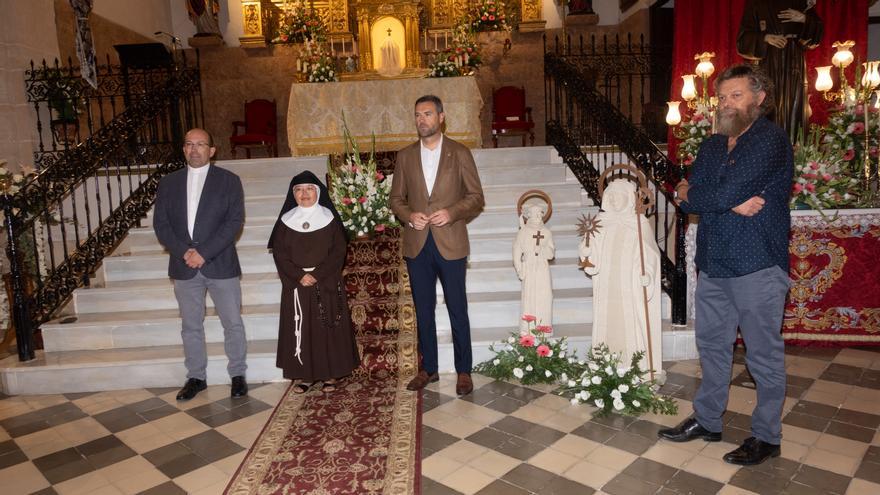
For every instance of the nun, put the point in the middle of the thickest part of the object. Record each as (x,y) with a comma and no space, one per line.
(316,342)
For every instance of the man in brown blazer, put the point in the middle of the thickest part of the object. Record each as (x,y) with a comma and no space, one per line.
(435,192)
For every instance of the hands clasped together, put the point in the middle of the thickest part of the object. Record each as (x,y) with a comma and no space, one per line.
(787,15)
(193,259)
(421,220)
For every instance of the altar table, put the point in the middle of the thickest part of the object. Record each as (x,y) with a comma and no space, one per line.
(383,107)
(835,278)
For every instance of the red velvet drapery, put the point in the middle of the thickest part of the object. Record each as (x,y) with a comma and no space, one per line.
(702,26)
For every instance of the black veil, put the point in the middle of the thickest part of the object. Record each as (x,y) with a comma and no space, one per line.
(306,177)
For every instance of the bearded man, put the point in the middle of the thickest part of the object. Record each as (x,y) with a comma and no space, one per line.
(740,188)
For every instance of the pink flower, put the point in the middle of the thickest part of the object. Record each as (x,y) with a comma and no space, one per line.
(284,38)
(529,318)
(543,350)
(346,201)
(811,187)
(849,155)
(483,18)
(826,177)
(874,151)
(379,176)
(810,176)
(362,199)
(857,127)
(380,227)
(545,328)
(814,165)
(527,340)
(797,188)
(688,160)
(354,169)
(491,17)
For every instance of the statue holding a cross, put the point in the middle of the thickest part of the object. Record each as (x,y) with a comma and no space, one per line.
(533,248)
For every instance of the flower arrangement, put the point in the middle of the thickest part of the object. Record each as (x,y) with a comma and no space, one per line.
(531,357)
(299,23)
(846,132)
(821,178)
(693,133)
(489,15)
(612,387)
(317,65)
(360,192)
(464,52)
(443,68)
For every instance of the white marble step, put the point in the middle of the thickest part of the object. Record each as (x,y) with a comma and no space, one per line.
(162,366)
(256,230)
(154,327)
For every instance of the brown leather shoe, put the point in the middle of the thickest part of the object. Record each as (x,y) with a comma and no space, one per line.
(421,380)
(465,385)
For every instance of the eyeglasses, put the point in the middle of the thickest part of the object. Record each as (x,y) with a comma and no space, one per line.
(195,145)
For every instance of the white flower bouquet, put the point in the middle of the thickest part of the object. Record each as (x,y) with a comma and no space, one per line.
(605,382)
(443,68)
(530,357)
(360,192)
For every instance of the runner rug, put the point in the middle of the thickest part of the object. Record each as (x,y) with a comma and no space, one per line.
(363,437)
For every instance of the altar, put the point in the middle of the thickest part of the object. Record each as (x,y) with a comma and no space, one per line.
(381,107)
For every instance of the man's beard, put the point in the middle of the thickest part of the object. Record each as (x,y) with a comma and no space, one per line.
(430,131)
(737,121)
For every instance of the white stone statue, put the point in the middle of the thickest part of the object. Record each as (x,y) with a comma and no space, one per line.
(390,63)
(619,288)
(533,248)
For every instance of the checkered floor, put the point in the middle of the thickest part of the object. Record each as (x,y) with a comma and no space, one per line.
(502,439)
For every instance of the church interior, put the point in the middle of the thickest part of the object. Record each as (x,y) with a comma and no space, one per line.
(555,99)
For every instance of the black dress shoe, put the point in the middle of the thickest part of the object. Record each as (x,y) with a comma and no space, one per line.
(688,430)
(239,387)
(191,388)
(751,452)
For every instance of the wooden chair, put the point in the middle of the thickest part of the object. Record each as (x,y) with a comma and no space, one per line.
(511,116)
(259,126)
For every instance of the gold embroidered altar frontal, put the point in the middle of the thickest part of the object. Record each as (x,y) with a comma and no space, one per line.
(383,107)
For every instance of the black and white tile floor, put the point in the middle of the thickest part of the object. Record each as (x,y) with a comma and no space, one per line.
(502,439)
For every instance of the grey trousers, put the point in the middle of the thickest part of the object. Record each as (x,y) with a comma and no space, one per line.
(226,294)
(755,303)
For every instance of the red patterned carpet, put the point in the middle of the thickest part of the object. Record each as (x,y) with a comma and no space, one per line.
(361,438)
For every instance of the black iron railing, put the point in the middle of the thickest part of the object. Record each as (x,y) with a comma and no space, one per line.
(591,133)
(85,197)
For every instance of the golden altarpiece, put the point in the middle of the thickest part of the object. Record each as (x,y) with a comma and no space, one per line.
(372,22)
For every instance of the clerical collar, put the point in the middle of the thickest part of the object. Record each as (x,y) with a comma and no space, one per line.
(198,170)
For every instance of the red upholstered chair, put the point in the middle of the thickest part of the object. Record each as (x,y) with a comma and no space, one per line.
(511,116)
(259,126)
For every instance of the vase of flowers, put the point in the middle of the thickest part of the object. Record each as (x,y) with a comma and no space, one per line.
(299,23)
(316,64)
(360,192)
(846,133)
(692,133)
(489,15)
(530,357)
(821,177)
(443,68)
(613,386)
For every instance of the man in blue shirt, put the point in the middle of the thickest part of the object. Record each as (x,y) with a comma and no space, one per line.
(740,187)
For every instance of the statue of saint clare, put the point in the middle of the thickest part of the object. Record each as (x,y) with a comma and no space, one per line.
(774,34)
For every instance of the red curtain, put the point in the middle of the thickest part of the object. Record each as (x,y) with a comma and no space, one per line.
(702,26)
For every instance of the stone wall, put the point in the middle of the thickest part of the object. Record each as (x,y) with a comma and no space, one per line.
(20,44)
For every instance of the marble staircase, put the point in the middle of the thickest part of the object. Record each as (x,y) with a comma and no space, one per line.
(123,331)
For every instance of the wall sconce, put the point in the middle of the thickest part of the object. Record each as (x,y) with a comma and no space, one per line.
(823,79)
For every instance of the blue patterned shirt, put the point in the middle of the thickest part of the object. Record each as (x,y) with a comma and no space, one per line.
(761,164)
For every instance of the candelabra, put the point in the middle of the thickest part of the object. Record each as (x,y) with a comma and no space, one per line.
(700,109)
(858,95)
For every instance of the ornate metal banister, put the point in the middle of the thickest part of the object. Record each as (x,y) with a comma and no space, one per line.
(581,123)
(85,198)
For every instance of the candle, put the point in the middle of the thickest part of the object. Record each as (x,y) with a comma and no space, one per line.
(445,39)
(435,41)
(466,58)
(299,65)
(426,40)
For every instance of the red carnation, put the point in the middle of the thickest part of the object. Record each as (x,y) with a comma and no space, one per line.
(543,350)
(362,199)
(528,318)
(527,340)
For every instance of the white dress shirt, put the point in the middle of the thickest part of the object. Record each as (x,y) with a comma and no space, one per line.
(430,163)
(195,182)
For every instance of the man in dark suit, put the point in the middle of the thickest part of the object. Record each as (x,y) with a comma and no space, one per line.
(740,187)
(435,191)
(198,215)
